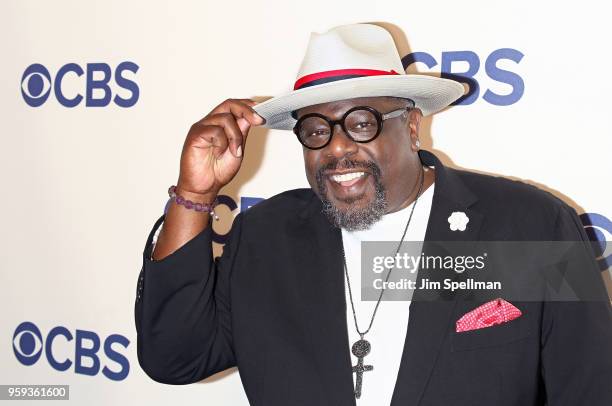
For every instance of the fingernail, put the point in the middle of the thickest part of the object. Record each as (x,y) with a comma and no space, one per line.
(239,151)
(259,118)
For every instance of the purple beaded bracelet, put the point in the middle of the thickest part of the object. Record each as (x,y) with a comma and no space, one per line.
(200,207)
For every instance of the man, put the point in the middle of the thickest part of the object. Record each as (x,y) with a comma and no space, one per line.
(281,304)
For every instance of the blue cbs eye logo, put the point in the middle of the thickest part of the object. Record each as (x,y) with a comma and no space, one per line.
(95,84)
(35,85)
(91,354)
(27,343)
(599,230)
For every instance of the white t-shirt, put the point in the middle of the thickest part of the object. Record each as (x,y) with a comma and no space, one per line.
(388,330)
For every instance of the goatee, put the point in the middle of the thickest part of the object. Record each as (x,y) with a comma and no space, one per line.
(353,218)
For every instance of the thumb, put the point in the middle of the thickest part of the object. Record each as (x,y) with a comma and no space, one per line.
(244,126)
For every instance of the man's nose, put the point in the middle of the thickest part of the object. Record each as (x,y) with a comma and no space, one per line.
(341,144)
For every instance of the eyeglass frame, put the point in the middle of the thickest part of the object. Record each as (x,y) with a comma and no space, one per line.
(380,118)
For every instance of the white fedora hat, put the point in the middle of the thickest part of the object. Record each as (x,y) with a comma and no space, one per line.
(355,60)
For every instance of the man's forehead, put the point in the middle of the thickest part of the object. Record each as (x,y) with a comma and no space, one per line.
(340,106)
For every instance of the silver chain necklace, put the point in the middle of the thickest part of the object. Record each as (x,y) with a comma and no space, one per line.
(362,347)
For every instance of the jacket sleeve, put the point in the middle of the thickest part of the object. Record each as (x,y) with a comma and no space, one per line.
(577,335)
(182,310)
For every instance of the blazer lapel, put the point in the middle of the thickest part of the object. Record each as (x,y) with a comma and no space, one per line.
(321,286)
(430,320)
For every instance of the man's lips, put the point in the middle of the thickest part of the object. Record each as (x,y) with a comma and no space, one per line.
(345,174)
(347,178)
(347,183)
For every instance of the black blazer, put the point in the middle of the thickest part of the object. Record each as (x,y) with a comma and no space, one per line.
(273,304)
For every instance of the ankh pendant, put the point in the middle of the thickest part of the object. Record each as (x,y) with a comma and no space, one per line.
(360,349)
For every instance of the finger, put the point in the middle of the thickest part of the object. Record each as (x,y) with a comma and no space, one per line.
(234,133)
(250,102)
(215,137)
(236,130)
(240,110)
(253,103)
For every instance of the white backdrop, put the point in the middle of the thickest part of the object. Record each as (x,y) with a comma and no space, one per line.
(83,185)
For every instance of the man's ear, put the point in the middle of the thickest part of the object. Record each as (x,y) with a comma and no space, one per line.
(414,122)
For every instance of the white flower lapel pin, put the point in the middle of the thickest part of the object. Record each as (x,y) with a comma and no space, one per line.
(458,221)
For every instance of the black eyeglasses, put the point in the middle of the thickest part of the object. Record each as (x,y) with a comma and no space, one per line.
(361,124)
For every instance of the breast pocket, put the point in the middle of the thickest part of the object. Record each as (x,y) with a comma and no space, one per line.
(500,334)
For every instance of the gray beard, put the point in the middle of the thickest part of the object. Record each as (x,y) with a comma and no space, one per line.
(354,219)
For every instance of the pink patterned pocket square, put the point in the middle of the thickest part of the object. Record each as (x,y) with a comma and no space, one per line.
(496,311)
